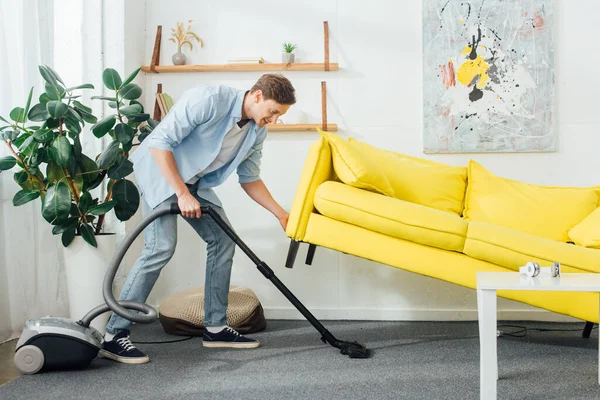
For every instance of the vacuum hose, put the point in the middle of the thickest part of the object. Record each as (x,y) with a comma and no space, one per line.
(122,308)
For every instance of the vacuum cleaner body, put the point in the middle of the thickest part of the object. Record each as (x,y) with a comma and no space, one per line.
(50,343)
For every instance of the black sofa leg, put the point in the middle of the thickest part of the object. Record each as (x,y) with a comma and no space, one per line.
(587,330)
(311,253)
(292,252)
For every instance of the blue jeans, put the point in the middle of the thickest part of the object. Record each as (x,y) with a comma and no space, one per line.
(160,242)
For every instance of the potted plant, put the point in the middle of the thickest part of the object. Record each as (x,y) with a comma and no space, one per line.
(77,190)
(182,37)
(287,57)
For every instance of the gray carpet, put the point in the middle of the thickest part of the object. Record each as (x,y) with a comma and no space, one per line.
(411,360)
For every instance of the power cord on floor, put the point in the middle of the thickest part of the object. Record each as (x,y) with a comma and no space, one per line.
(166,341)
(523,330)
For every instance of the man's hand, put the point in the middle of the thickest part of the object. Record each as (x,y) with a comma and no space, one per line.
(189,206)
(283,220)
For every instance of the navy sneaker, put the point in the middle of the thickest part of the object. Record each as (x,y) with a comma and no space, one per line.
(122,350)
(228,338)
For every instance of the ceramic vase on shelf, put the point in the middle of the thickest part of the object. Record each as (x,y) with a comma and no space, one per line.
(179,58)
(287,58)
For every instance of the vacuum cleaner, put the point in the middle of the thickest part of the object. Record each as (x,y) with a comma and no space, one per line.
(52,343)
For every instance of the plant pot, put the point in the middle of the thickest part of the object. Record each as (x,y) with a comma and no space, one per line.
(85,267)
(287,58)
(179,58)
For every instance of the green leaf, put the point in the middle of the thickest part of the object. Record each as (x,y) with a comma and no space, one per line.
(73,115)
(55,92)
(57,204)
(26,147)
(24,196)
(10,135)
(44,98)
(54,74)
(56,109)
(121,169)
(109,156)
(18,115)
(103,98)
(71,223)
(152,123)
(103,208)
(85,202)
(81,107)
(87,117)
(131,110)
(72,123)
(131,77)
(111,79)
(103,126)
(127,197)
(20,176)
(139,117)
(84,86)
(130,91)
(51,123)
(143,136)
(124,133)
(39,113)
(127,147)
(61,150)
(28,102)
(89,169)
(87,233)
(113,104)
(68,236)
(54,173)
(7,163)
(48,75)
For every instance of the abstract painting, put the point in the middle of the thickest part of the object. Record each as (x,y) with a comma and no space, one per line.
(488,76)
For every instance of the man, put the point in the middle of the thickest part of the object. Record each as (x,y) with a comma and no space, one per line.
(210,132)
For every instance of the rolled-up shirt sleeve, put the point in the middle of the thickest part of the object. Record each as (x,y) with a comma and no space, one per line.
(249,169)
(184,116)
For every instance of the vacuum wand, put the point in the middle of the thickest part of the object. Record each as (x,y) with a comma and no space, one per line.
(352,349)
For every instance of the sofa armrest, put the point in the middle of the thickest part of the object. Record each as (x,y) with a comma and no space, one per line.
(318,168)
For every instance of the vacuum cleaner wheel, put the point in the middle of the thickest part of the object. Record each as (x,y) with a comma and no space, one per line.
(29,359)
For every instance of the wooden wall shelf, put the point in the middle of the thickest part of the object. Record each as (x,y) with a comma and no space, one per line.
(156,68)
(241,67)
(301,127)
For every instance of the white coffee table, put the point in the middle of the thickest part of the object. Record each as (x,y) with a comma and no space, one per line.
(487,285)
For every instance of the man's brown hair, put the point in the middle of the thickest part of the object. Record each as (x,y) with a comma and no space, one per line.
(276,87)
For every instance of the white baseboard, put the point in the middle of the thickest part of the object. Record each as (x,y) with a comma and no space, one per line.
(413,315)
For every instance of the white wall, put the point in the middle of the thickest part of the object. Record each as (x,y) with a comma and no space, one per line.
(377,97)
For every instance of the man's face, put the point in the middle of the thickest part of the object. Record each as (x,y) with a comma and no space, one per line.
(266,111)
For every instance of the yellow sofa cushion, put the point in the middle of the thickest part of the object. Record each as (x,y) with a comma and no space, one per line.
(391,216)
(512,249)
(546,211)
(418,180)
(587,232)
(354,168)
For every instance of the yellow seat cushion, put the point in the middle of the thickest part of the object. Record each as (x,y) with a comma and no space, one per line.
(354,168)
(418,180)
(391,216)
(587,232)
(545,211)
(512,249)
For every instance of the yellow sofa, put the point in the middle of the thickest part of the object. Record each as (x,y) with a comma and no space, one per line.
(414,214)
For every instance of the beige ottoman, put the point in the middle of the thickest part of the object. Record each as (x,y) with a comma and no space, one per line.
(183,313)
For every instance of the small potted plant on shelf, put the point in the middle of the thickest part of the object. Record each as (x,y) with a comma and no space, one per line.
(288,53)
(182,37)
(77,190)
